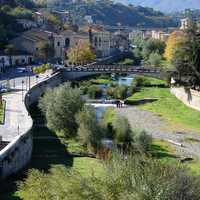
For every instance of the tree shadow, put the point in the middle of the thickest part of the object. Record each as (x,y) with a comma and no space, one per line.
(140,101)
(48,151)
(160,152)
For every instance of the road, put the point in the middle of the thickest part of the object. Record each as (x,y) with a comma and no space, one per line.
(17,120)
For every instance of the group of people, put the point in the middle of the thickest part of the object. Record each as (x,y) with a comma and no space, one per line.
(119,104)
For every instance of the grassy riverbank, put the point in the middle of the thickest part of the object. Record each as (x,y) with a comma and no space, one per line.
(166,152)
(168,106)
(2,112)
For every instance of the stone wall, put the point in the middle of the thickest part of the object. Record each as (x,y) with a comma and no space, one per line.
(189,97)
(17,153)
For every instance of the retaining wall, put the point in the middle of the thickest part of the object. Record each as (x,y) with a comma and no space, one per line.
(17,153)
(189,97)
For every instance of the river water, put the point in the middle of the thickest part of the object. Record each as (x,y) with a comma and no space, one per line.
(101,107)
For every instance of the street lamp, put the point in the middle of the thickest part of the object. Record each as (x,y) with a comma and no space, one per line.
(22,90)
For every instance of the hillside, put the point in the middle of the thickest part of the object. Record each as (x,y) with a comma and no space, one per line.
(112,14)
(165,5)
(10,11)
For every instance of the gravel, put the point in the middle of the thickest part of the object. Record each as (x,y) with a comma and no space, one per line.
(159,128)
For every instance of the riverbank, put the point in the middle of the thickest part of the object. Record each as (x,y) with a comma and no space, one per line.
(179,116)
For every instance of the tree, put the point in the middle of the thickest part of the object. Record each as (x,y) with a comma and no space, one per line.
(122,178)
(153,46)
(89,131)
(122,130)
(82,53)
(94,92)
(155,60)
(142,141)
(120,92)
(60,105)
(173,42)
(186,58)
(46,50)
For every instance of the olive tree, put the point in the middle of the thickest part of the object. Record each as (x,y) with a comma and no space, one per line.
(60,105)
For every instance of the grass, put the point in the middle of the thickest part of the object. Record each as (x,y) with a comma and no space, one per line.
(169,107)
(2,112)
(88,166)
(165,151)
(150,81)
(99,81)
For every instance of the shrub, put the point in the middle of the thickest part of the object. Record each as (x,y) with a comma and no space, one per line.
(89,131)
(140,81)
(94,92)
(122,130)
(142,141)
(120,92)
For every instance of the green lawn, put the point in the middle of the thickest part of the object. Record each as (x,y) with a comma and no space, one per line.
(2,112)
(168,106)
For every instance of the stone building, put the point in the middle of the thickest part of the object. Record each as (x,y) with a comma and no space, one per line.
(185,23)
(18,58)
(28,41)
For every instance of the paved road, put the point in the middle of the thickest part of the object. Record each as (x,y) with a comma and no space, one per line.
(160,129)
(17,119)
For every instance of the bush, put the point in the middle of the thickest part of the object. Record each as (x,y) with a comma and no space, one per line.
(123,178)
(41,69)
(120,92)
(20,12)
(142,141)
(155,60)
(110,91)
(140,81)
(94,92)
(89,131)
(122,130)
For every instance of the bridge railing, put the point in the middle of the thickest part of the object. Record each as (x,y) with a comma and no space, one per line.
(114,68)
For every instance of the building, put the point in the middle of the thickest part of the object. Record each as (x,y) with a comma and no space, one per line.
(18,58)
(101,42)
(28,41)
(27,24)
(63,16)
(185,23)
(160,35)
(89,19)
(66,40)
(39,18)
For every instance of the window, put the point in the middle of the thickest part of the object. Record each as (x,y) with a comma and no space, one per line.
(58,44)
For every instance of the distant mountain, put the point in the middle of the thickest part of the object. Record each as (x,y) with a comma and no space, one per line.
(112,14)
(165,5)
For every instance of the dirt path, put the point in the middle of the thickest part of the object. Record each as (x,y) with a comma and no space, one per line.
(160,129)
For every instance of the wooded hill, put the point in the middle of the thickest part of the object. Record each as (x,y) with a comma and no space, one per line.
(109,13)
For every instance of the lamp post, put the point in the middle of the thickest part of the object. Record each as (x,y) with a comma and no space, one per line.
(22,90)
